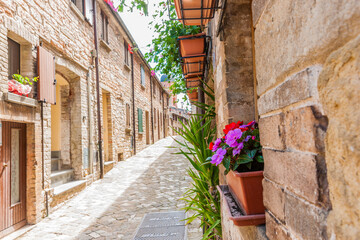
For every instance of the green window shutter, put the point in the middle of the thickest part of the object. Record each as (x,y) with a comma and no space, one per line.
(140,120)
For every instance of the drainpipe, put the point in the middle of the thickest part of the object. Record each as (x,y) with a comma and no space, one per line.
(90,116)
(151,103)
(133,102)
(43,160)
(163,113)
(98,92)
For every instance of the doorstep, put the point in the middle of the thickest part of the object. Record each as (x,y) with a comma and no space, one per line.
(236,213)
(66,191)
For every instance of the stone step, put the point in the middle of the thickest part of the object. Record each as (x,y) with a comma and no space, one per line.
(55,164)
(61,176)
(63,188)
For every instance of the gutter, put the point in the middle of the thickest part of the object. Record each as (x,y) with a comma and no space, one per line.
(98,92)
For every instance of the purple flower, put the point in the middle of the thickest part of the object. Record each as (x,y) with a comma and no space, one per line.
(218,156)
(247,138)
(232,137)
(248,125)
(237,150)
(216,145)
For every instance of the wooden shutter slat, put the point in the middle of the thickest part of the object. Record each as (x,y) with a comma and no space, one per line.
(46,71)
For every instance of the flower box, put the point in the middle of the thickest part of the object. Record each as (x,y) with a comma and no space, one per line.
(193,95)
(190,12)
(192,44)
(193,82)
(193,65)
(246,188)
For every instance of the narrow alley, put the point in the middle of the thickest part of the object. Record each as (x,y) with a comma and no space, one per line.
(112,208)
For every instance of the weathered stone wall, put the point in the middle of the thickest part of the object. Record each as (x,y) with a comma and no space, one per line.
(310,151)
(64,31)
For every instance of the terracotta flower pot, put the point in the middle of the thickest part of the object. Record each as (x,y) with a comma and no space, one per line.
(193,95)
(188,4)
(192,44)
(193,65)
(246,188)
(193,82)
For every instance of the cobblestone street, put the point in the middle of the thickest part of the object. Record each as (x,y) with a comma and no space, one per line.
(112,208)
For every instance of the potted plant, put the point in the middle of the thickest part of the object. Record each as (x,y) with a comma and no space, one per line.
(240,152)
(192,44)
(193,94)
(192,82)
(195,16)
(193,65)
(21,85)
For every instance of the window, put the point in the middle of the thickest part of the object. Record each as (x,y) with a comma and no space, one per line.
(154,90)
(126,54)
(104,28)
(142,74)
(155,117)
(128,124)
(14,58)
(86,8)
(140,120)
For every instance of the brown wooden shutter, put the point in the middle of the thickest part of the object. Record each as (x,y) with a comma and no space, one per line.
(46,71)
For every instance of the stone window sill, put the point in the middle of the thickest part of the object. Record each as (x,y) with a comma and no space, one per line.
(127,67)
(14,98)
(128,131)
(78,13)
(105,45)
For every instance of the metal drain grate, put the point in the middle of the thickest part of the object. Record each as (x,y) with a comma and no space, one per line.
(162,226)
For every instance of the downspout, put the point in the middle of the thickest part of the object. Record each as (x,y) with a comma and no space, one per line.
(163,113)
(133,101)
(90,116)
(151,104)
(98,92)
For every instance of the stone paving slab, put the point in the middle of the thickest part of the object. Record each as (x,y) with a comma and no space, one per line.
(112,208)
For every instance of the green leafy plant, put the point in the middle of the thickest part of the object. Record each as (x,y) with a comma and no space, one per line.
(24,80)
(165,52)
(202,198)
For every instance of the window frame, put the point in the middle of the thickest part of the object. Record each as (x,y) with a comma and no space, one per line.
(104,27)
(126,54)
(11,58)
(142,76)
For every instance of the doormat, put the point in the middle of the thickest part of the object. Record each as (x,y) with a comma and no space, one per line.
(162,226)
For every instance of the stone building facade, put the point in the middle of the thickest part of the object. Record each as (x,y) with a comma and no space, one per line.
(61,152)
(294,67)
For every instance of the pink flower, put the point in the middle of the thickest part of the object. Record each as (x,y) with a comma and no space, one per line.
(152,73)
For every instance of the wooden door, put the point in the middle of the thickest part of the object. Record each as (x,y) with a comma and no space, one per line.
(12,177)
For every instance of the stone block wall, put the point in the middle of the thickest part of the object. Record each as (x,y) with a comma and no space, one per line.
(62,30)
(303,50)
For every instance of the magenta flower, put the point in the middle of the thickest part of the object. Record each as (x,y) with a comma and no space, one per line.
(232,137)
(217,144)
(253,137)
(218,156)
(152,73)
(237,150)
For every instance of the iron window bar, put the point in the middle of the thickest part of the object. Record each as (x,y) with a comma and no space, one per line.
(201,9)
